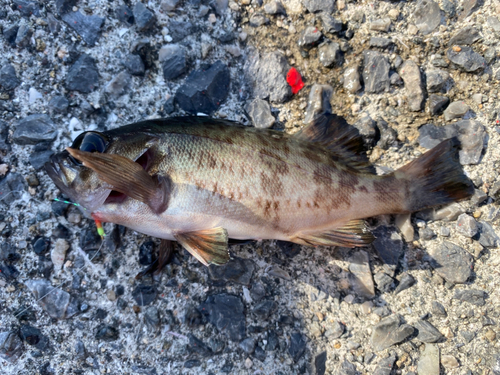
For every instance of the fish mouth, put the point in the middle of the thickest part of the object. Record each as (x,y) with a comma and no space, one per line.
(54,169)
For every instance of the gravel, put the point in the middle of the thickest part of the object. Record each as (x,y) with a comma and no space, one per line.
(419,301)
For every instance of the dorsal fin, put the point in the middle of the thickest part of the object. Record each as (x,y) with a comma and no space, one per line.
(340,138)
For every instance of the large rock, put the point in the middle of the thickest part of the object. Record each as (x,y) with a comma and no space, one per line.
(452,263)
(390,331)
(88,27)
(465,59)
(375,72)
(225,312)
(34,129)
(83,75)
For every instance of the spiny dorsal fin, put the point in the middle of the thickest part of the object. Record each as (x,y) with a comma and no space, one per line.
(353,234)
(341,139)
(208,246)
(127,177)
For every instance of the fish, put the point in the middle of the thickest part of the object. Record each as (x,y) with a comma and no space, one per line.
(202,181)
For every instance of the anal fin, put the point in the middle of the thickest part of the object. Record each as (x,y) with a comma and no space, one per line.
(352,234)
(164,255)
(209,246)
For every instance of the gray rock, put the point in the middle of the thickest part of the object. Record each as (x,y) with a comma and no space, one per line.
(144,295)
(260,113)
(410,73)
(318,102)
(125,15)
(198,346)
(257,19)
(27,8)
(471,134)
(320,363)
(88,27)
(23,37)
(427,332)
(265,308)
(382,24)
(465,36)
(389,247)
(426,234)
(309,38)
(119,84)
(144,18)
(427,16)
(56,302)
(384,282)
(8,78)
(466,59)
(334,330)
(11,346)
(330,24)
(428,363)
(274,7)
(367,128)
(494,23)
(107,333)
(388,332)
(467,226)
(248,345)
(406,282)
(11,188)
(449,7)
(346,368)
(455,110)
(437,104)
(469,7)
(34,129)
(478,197)
(361,276)
(375,72)
(64,6)
(4,144)
(380,42)
(237,270)
(267,74)
(452,263)
(352,79)
(134,65)
(473,296)
(169,5)
(450,212)
(436,79)
(9,34)
(152,318)
(59,104)
(225,312)
(83,75)
(179,29)
(438,309)
(314,6)
(487,235)
(297,346)
(204,90)
(385,365)
(173,61)
(330,54)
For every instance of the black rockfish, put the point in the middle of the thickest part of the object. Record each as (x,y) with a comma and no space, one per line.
(200,181)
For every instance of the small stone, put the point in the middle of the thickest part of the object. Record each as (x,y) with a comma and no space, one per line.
(267,74)
(257,19)
(179,29)
(467,226)
(237,270)
(352,79)
(58,253)
(436,79)
(83,75)
(427,332)
(389,247)
(384,282)
(455,110)
(403,222)
(428,364)
(487,235)
(56,302)
(248,345)
(330,24)
(111,295)
(473,296)
(119,84)
(410,73)
(134,65)
(248,363)
(144,295)
(260,113)
(204,90)
(192,363)
(173,61)
(8,78)
(452,263)
(382,24)
(314,6)
(388,332)
(11,346)
(466,59)
(330,54)
(490,335)
(406,282)
(375,72)
(23,37)
(265,308)
(169,5)
(334,330)
(380,42)
(318,102)
(385,366)
(152,318)
(320,363)
(34,129)
(437,104)
(59,104)
(427,16)
(225,312)
(143,17)
(361,277)
(449,362)
(309,38)
(125,15)
(88,27)
(297,346)
(465,36)
(107,333)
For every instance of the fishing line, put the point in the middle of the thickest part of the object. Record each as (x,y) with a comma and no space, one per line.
(98,224)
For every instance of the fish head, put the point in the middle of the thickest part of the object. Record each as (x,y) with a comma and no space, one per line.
(82,184)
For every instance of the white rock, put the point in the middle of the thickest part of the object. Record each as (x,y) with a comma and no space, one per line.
(58,253)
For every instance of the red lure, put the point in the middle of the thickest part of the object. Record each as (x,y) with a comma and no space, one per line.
(294,80)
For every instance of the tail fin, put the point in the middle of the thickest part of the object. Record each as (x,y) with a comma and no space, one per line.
(437,177)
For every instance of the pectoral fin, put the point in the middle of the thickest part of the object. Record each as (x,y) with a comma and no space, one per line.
(127,177)
(353,234)
(208,246)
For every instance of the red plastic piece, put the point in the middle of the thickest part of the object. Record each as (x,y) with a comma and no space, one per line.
(294,80)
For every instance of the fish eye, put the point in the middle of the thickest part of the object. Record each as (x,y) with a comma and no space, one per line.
(90,142)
